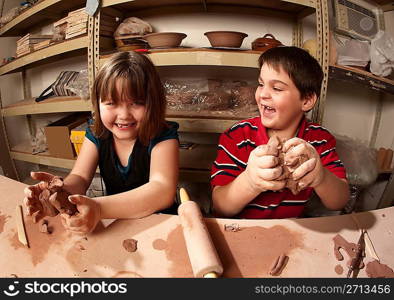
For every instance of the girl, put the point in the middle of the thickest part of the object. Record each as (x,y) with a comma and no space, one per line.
(135,148)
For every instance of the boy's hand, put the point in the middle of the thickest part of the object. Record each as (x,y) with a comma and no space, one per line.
(32,193)
(263,169)
(311,172)
(87,217)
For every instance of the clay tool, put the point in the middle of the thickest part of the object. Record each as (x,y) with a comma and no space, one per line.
(203,257)
(21,226)
(354,266)
(368,243)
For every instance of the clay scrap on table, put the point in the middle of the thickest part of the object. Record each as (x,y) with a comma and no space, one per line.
(278,265)
(54,200)
(350,249)
(234,227)
(44,227)
(291,184)
(375,269)
(130,245)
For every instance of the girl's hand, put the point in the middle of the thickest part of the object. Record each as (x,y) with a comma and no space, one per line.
(87,217)
(263,169)
(311,172)
(32,197)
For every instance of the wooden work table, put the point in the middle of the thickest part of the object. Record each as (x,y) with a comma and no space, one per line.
(161,251)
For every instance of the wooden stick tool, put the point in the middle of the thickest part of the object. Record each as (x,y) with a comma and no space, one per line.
(21,226)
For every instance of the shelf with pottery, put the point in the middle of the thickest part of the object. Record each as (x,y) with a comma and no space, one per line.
(354,75)
(200,57)
(45,10)
(46,55)
(50,105)
(284,6)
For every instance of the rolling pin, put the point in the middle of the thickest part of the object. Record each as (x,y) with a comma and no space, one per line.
(202,253)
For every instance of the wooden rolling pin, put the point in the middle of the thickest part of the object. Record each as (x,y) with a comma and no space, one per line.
(202,253)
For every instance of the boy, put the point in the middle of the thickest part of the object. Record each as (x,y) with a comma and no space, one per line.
(246,173)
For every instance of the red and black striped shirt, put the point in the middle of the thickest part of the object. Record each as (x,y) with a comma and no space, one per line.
(234,148)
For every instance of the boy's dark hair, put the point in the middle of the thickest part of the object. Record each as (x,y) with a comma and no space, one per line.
(130,76)
(302,68)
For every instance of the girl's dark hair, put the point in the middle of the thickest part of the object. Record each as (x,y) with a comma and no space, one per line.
(130,76)
(302,68)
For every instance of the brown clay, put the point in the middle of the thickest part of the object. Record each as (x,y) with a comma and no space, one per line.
(375,269)
(338,269)
(130,245)
(291,184)
(54,200)
(278,265)
(44,227)
(350,249)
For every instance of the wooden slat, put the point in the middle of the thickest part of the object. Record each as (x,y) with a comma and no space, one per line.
(42,55)
(43,159)
(287,5)
(51,105)
(364,78)
(201,57)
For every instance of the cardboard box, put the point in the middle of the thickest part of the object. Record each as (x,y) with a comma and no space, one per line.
(58,135)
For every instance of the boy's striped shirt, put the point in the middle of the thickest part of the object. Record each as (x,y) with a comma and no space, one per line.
(234,148)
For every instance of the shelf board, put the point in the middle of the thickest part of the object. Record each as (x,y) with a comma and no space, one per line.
(46,10)
(202,125)
(286,6)
(43,159)
(44,55)
(354,75)
(50,105)
(201,57)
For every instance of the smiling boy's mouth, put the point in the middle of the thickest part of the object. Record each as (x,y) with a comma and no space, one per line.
(268,108)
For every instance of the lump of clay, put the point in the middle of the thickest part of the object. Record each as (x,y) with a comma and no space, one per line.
(130,245)
(54,199)
(291,184)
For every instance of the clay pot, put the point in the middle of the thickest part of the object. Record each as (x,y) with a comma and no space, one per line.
(230,39)
(266,42)
(164,39)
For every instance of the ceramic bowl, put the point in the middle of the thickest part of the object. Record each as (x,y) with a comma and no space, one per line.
(164,39)
(229,39)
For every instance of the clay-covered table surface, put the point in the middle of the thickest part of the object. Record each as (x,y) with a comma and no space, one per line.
(161,250)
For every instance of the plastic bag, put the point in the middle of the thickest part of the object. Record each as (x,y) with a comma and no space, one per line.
(358,159)
(80,86)
(354,53)
(207,97)
(133,26)
(382,54)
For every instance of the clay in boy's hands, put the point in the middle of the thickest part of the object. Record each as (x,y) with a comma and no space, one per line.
(303,161)
(87,217)
(263,169)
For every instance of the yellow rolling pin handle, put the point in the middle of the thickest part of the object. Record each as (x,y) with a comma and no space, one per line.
(202,254)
